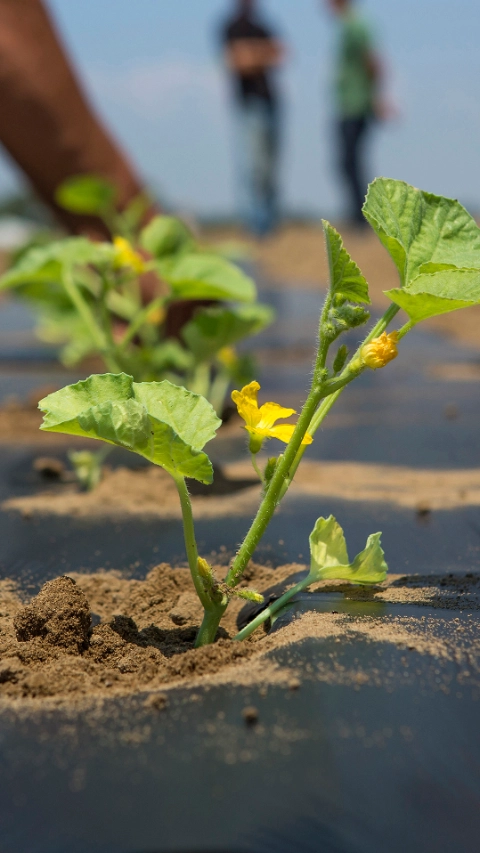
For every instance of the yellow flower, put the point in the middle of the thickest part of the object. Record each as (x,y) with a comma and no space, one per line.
(381,350)
(156,316)
(227,356)
(126,256)
(260,421)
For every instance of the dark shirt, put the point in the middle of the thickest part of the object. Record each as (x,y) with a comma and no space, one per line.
(257,85)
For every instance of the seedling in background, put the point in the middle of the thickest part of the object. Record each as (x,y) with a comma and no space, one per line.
(435,245)
(88,297)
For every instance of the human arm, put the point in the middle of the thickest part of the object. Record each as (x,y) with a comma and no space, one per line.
(46,123)
(250,56)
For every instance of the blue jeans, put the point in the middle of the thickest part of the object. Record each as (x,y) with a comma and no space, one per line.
(257,155)
(352,135)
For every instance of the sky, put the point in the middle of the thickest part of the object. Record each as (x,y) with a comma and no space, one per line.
(153,71)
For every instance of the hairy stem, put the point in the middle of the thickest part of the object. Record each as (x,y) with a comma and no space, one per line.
(337,387)
(273,608)
(83,308)
(272,495)
(213,610)
(190,540)
(310,419)
(256,468)
(209,627)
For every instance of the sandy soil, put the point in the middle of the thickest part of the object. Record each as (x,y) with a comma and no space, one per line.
(151,492)
(144,632)
(295,257)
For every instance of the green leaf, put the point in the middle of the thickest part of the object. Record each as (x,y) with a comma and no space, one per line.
(422,232)
(201,275)
(330,558)
(346,280)
(438,293)
(211,329)
(369,566)
(86,194)
(170,355)
(165,236)
(46,263)
(327,544)
(160,421)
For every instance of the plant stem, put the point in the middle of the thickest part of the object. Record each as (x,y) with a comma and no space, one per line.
(88,318)
(256,468)
(139,320)
(218,391)
(213,611)
(200,381)
(272,496)
(334,394)
(274,492)
(288,463)
(209,627)
(190,540)
(405,329)
(273,608)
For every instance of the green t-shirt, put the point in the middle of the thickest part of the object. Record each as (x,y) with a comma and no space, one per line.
(354,87)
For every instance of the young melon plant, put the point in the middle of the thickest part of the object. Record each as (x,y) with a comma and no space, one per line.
(435,245)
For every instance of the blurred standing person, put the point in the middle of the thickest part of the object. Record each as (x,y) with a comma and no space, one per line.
(358,77)
(252,53)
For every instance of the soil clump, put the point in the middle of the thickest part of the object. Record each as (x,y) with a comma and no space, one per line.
(59,615)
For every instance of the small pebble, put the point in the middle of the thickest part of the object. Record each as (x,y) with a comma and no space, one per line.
(451,412)
(156,702)
(49,467)
(294,684)
(250,715)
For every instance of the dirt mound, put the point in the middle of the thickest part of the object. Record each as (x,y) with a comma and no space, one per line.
(144,631)
(59,615)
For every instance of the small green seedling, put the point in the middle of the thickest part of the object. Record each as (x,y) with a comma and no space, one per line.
(87,466)
(88,297)
(435,245)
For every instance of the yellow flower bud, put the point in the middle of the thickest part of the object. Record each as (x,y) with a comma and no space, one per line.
(156,316)
(126,256)
(227,356)
(204,569)
(380,351)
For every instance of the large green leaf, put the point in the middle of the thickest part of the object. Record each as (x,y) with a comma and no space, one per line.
(202,275)
(160,421)
(438,293)
(166,235)
(345,277)
(86,194)
(46,263)
(422,232)
(329,557)
(213,328)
